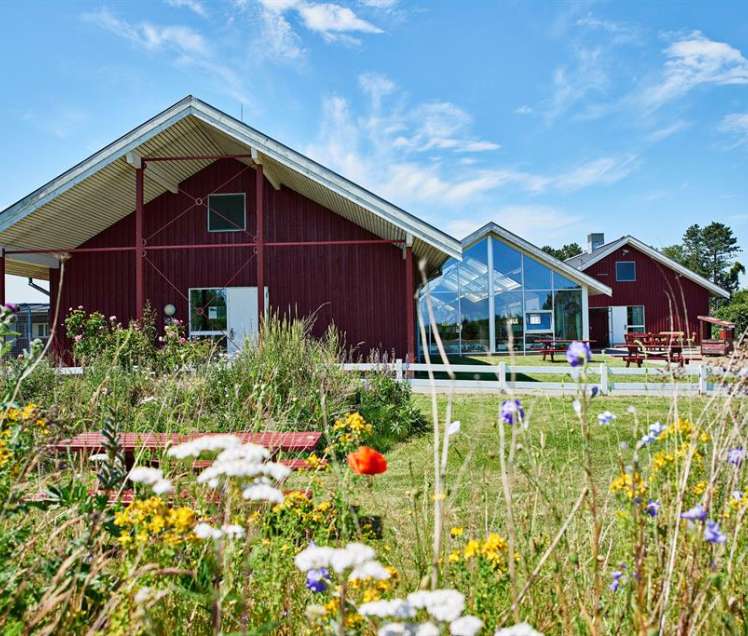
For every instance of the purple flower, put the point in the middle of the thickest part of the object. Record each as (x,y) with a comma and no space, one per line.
(606,417)
(316,580)
(578,353)
(617,576)
(11,307)
(654,432)
(652,507)
(712,533)
(697,513)
(512,411)
(736,456)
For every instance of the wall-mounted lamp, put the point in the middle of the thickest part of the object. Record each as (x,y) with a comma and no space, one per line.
(169,310)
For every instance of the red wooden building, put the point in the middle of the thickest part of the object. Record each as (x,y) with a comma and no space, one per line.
(193,212)
(651,292)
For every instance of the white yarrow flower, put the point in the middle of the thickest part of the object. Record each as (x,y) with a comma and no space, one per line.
(577,406)
(354,554)
(443,605)
(98,457)
(369,570)
(453,429)
(142,595)
(262,492)
(206,531)
(233,531)
(520,629)
(146,475)
(465,626)
(163,486)
(194,447)
(397,608)
(313,557)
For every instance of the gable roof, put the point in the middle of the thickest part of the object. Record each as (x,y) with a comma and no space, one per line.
(587,259)
(560,267)
(100,190)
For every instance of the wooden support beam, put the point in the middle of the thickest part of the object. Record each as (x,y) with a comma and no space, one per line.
(139,245)
(260,244)
(154,172)
(2,277)
(270,175)
(410,319)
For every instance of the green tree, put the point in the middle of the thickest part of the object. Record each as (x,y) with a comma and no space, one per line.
(562,253)
(709,251)
(736,311)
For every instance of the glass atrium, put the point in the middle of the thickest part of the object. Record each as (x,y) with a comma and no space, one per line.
(498,297)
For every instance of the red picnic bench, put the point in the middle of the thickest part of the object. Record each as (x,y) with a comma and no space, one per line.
(650,346)
(132,443)
(552,346)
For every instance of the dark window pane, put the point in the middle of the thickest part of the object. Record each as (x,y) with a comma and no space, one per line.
(207,310)
(473,276)
(561,282)
(508,307)
(568,315)
(507,267)
(635,316)
(625,271)
(537,275)
(226,213)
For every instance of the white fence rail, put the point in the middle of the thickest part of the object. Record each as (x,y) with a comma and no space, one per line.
(693,379)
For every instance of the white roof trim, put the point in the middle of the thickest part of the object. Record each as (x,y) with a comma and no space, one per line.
(535,252)
(236,129)
(656,255)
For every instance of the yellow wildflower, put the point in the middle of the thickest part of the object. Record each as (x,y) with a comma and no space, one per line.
(456,532)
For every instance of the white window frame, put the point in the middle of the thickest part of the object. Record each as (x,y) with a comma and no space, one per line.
(626,280)
(243,195)
(214,332)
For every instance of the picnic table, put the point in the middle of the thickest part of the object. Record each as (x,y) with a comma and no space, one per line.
(650,346)
(556,345)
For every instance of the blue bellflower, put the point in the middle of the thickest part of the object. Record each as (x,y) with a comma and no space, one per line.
(712,533)
(578,353)
(652,507)
(512,412)
(316,580)
(736,456)
(697,513)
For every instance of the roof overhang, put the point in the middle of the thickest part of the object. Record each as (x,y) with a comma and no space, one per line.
(100,190)
(656,255)
(593,285)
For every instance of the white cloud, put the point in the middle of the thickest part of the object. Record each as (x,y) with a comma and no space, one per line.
(523,110)
(195,6)
(737,125)
(694,61)
(379,4)
(572,83)
(539,224)
(187,47)
(334,22)
(617,32)
(668,131)
(406,153)
(280,41)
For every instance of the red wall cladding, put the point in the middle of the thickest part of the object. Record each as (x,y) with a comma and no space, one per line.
(671,302)
(359,288)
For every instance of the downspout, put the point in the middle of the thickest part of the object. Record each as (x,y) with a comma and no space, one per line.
(38,288)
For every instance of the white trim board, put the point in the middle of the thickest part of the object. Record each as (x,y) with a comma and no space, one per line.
(656,255)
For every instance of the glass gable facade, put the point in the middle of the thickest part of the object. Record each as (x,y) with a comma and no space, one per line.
(498,298)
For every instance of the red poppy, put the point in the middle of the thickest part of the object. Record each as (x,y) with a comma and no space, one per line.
(367,461)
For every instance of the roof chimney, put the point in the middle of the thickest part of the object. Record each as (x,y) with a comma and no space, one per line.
(594,241)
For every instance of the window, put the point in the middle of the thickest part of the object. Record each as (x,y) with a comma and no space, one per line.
(538,321)
(226,213)
(208,312)
(625,271)
(635,319)
(40,330)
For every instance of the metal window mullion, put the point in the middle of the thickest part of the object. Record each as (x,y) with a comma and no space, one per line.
(524,309)
(491,300)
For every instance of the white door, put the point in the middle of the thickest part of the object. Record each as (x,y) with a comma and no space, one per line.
(618,326)
(241,311)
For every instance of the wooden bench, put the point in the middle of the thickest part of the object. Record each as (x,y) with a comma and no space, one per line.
(649,346)
(132,443)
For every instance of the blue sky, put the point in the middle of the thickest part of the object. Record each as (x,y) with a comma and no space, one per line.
(551,119)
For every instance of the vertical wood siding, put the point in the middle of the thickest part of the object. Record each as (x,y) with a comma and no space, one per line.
(360,289)
(671,302)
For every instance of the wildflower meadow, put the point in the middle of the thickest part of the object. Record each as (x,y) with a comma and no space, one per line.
(424,515)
